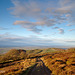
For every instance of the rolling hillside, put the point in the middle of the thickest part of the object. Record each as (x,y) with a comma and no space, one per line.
(50,61)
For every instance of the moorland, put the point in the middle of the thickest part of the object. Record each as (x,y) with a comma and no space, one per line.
(48,61)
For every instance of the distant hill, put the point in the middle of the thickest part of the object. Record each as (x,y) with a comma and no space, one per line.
(17,54)
(71,49)
(42,51)
(13,55)
(6,49)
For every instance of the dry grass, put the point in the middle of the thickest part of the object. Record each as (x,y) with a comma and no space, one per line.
(13,55)
(61,63)
(16,62)
(17,67)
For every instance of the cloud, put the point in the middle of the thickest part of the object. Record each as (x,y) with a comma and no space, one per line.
(69,24)
(8,39)
(47,13)
(23,41)
(55,27)
(68,15)
(72,30)
(32,26)
(61,31)
(2,28)
(70,41)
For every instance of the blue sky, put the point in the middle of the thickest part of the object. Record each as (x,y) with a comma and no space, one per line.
(37,23)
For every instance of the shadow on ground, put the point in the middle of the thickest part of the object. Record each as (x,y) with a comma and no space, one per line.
(38,69)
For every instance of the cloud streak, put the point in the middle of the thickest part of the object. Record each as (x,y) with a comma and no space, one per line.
(2,28)
(12,40)
(55,27)
(61,31)
(23,41)
(70,41)
(72,30)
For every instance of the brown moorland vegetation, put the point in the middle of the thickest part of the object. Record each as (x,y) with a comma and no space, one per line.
(13,55)
(61,63)
(17,67)
(58,61)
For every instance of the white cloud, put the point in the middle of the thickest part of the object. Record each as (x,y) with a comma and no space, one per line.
(55,27)
(72,30)
(15,40)
(23,41)
(70,41)
(46,13)
(32,26)
(68,15)
(69,24)
(61,31)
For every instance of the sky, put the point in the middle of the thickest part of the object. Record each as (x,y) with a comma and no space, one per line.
(37,23)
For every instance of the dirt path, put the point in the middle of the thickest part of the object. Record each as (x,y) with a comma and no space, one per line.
(39,69)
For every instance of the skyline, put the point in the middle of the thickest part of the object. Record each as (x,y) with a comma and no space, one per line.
(37,23)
